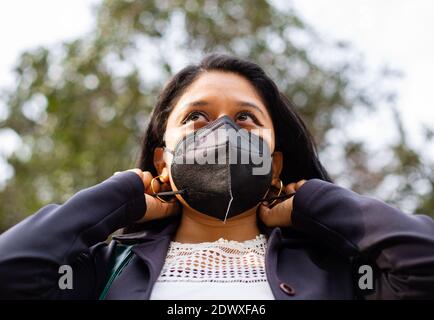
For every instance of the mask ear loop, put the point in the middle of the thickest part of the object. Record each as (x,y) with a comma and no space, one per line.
(279,195)
(164,193)
(280,192)
(157,195)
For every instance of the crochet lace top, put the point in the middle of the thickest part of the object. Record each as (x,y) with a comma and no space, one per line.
(223,269)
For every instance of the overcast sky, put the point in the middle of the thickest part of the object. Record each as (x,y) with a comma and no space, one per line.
(396,33)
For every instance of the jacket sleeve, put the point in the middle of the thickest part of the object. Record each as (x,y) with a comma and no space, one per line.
(32,251)
(400,245)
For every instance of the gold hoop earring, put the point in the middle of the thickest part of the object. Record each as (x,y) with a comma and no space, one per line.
(153,191)
(280,192)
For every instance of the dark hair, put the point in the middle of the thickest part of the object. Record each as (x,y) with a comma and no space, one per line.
(300,159)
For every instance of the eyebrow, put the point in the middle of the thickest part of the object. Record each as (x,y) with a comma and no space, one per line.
(240,103)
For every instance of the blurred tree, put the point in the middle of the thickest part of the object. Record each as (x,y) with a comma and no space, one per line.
(81,107)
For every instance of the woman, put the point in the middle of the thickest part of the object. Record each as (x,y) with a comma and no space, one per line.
(199,222)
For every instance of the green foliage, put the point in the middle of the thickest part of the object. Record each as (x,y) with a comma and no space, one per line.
(81,107)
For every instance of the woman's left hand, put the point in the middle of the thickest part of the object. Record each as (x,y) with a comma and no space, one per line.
(280,214)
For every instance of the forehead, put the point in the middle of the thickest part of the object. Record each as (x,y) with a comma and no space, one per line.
(218,84)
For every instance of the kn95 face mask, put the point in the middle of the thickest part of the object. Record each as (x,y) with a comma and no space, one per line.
(221,170)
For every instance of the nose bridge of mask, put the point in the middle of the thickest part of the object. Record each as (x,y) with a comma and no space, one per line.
(218,131)
(223,123)
(225,132)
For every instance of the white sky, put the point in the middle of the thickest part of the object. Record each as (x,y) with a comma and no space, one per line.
(396,33)
(388,32)
(26,24)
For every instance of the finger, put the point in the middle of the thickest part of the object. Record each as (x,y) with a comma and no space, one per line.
(299,184)
(152,206)
(170,208)
(269,216)
(290,188)
(155,209)
(147,178)
(265,215)
(136,171)
(279,215)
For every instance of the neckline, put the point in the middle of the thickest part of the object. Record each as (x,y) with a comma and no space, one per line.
(259,238)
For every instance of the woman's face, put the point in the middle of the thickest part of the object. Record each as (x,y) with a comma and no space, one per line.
(212,95)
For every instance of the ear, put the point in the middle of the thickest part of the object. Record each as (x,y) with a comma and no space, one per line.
(276,167)
(160,164)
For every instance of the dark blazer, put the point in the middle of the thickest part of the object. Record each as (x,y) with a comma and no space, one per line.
(333,230)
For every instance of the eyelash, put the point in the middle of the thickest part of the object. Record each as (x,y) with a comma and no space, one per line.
(193,113)
(251,115)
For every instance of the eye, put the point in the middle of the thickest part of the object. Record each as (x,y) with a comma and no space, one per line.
(246,117)
(194,116)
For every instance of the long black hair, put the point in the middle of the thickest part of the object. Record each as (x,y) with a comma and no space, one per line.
(300,158)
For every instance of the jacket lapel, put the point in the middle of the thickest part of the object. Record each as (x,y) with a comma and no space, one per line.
(152,249)
(271,260)
(153,253)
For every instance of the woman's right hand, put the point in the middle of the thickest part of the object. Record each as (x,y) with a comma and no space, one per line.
(155,209)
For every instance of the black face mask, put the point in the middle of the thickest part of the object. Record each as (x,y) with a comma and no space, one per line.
(221,169)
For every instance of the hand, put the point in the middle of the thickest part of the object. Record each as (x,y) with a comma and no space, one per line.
(280,214)
(155,209)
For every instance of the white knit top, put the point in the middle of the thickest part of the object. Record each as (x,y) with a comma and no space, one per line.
(220,270)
